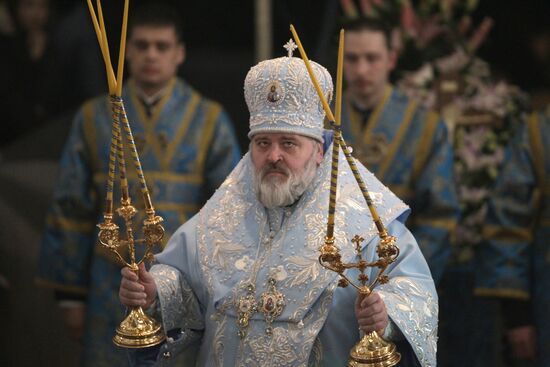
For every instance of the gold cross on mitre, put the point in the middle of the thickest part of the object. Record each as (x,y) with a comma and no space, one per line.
(290,46)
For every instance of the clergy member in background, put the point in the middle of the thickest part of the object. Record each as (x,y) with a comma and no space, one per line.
(187,148)
(404,145)
(515,257)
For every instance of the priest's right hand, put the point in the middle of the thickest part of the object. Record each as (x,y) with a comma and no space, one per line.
(137,290)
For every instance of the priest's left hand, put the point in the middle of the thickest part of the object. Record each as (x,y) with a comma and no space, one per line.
(371,313)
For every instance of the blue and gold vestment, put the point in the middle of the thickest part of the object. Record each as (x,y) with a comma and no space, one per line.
(407,148)
(515,256)
(187,147)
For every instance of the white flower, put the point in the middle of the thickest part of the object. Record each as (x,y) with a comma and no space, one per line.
(422,76)
(454,62)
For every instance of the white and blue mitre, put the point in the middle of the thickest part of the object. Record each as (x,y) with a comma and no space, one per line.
(235,241)
(281,97)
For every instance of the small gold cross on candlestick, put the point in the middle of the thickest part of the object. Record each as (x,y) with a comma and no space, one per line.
(357,240)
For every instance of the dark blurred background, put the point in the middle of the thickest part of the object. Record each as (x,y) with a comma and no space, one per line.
(220,40)
(38,97)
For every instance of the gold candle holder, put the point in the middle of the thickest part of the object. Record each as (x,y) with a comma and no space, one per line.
(137,330)
(372,350)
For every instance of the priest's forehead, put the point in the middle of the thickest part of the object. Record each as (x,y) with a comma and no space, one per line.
(281,136)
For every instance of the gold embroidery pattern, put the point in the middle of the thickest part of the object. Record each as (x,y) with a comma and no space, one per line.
(271,351)
(218,344)
(403,298)
(316,355)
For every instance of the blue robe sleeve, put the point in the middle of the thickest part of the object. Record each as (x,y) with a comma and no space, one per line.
(436,203)
(68,241)
(178,305)
(223,155)
(505,255)
(411,301)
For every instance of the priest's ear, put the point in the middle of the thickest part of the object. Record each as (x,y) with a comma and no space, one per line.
(318,152)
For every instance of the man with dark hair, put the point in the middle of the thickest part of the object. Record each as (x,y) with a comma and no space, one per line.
(405,146)
(187,147)
(152,14)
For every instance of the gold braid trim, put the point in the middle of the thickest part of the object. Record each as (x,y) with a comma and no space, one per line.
(502,293)
(212,113)
(374,117)
(183,126)
(445,223)
(177,207)
(69,225)
(507,234)
(153,176)
(43,283)
(398,138)
(424,145)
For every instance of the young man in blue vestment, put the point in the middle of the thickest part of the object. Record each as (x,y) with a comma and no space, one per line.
(187,147)
(408,148)
(258,239)
(404,145)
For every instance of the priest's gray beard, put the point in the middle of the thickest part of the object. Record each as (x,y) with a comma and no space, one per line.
(275,191)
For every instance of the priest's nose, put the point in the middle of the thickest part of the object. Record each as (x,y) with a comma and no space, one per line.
(275,154)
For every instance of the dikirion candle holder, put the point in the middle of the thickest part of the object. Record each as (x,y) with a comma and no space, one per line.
(137,330)
(372,350)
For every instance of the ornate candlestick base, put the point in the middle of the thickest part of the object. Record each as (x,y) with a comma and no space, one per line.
(373,351)
(138,330)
